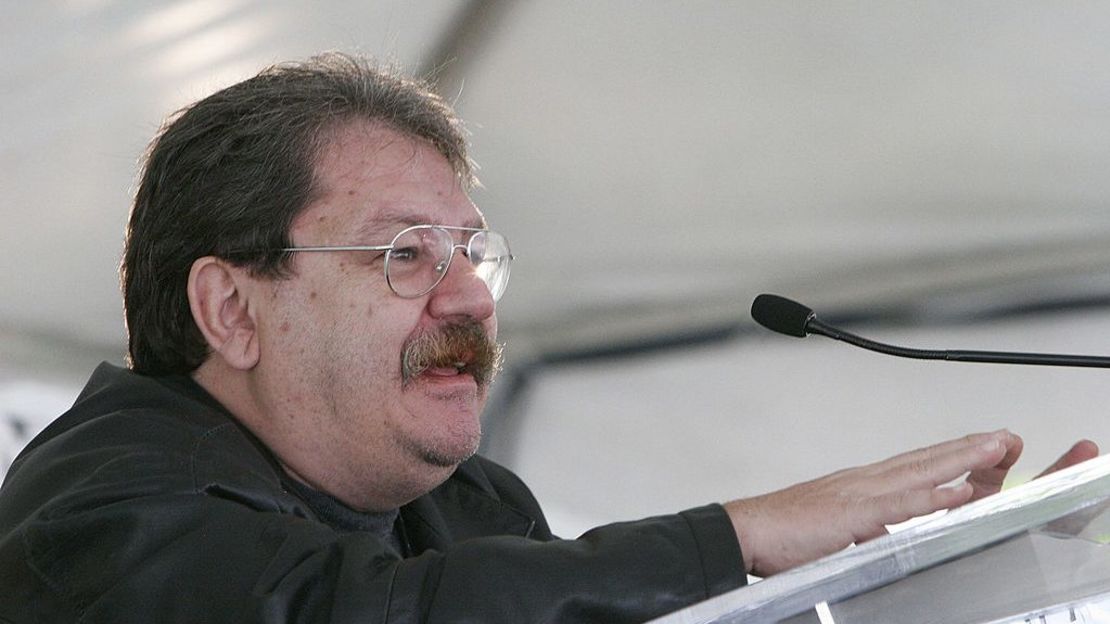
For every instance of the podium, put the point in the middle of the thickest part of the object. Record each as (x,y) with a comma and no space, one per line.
(1034,554)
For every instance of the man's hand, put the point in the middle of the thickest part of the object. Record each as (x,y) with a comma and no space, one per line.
(783,529)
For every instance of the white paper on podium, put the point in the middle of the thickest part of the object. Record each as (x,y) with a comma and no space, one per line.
(1062,528)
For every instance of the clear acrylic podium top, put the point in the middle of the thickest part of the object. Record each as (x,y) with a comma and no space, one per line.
(1035,553)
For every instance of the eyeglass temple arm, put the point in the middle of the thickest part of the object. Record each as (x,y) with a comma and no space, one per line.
(341,248)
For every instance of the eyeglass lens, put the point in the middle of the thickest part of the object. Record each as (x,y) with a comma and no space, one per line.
(420,257)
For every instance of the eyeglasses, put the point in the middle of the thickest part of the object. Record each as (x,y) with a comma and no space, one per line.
(419,256)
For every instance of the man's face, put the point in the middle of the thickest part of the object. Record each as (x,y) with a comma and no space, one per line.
(333,334)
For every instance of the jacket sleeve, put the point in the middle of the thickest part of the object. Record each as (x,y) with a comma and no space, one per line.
(214,561)
(626,572)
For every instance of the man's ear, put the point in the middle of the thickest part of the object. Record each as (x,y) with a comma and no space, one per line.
(219,300)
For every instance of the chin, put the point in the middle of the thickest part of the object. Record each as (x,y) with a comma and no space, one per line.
(442,460)
(445,442)
(443,428)
(450,453)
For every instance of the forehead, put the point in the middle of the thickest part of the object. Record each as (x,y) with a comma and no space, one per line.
(374,180)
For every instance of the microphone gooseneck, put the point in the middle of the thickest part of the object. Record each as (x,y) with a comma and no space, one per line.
(794,319)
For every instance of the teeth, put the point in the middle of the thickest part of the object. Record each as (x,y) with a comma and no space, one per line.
(460,366)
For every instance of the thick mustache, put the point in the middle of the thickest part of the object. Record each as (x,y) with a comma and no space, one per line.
(466,346)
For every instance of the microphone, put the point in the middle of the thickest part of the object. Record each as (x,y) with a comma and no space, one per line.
(794,319)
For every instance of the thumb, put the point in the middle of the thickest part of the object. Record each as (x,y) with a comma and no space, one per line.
(1080,452)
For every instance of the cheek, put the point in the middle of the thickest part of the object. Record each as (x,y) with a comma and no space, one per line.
(367,331)
(389,326)
(298,320)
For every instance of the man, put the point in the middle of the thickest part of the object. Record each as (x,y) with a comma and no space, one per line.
(310,296)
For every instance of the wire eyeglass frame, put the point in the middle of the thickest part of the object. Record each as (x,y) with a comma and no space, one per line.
(495,275)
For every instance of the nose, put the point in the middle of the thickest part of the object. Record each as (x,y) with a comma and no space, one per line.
(461,293)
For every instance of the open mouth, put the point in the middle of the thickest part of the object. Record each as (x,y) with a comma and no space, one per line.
(453,370)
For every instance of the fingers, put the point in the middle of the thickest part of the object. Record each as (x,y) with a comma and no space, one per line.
(902,506)
(1014,445)
(988,480)
(1010,441)
(1081,451)
(939,464)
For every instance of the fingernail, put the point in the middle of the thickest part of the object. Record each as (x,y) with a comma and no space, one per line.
(991,445)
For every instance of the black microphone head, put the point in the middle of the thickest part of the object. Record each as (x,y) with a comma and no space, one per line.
(781,314)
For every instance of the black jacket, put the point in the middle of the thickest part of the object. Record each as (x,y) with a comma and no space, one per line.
(147,502)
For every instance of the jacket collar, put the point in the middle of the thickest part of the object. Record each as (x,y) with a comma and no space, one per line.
(457,511)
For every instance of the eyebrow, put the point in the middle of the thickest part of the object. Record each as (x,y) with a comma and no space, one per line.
(389,222)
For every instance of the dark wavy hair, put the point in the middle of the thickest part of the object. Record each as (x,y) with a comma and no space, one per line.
(232,171)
